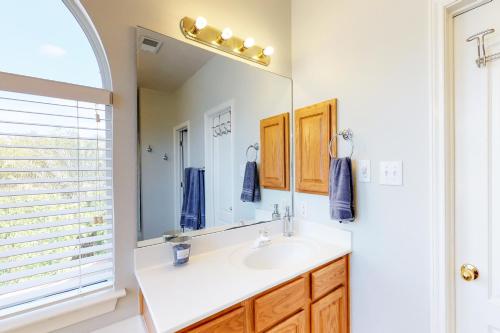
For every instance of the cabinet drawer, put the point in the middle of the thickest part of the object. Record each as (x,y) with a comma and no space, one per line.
(232,322)
(279,304)
(294,324)
(328,278)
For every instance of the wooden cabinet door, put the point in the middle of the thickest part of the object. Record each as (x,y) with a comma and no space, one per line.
(232,322)
(294,324)
(329,314)
(275,152)
(313,127)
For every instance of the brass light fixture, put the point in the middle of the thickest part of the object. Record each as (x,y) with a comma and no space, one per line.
(199,30)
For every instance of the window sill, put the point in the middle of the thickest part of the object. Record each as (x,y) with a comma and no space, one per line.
(53,317)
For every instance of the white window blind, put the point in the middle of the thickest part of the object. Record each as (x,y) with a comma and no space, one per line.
(56,202)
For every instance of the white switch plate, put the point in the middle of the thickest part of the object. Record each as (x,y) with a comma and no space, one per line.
(391,173)
(364,171)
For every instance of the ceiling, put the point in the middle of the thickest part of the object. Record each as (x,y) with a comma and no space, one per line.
(174,63)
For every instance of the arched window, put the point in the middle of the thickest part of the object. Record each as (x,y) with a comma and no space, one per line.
(56,196)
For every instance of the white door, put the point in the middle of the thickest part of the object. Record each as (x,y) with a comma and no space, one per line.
(477,172)
(221,157)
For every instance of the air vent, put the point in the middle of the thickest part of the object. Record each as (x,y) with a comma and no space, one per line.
(149,44)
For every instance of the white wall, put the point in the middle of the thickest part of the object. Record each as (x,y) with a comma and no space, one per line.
(115,21)
(373,56)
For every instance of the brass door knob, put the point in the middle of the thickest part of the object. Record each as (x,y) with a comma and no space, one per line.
(469,272)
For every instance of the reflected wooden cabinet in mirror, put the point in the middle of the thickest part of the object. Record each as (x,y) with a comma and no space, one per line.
(275,152)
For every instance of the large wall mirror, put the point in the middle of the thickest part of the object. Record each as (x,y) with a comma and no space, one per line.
(214,139)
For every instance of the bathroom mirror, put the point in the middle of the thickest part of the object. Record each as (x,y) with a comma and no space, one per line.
(199,123)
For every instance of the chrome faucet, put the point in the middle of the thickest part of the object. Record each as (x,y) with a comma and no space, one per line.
(287,223)
(263,239)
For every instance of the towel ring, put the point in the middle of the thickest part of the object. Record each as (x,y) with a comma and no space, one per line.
(347,136)
(254,146)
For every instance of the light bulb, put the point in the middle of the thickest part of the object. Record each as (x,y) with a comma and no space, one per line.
(200,22)
(268,51)
(226,34)
(249,42)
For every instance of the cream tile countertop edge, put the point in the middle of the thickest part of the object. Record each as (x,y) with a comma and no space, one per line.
(216,278)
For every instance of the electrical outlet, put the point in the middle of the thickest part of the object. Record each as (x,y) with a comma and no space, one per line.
(303,209)
(364,171)
(391,173)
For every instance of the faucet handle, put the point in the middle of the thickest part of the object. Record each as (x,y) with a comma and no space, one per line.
(287,211)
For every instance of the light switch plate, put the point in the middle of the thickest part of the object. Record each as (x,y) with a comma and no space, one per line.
(391,173)
(364,171)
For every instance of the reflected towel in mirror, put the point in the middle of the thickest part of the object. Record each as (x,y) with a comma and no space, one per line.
(251,185)
(193,204)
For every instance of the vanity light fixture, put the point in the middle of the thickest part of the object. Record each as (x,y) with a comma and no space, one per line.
(199,24)
(248,43)
(266,52)
(198,30)
(226,34)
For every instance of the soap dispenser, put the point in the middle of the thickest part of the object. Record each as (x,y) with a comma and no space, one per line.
(287,223)
(276,213)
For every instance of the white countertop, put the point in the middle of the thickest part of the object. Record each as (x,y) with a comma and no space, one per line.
(216,279)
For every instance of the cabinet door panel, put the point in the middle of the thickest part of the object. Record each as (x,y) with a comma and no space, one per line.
(329,314)
(313,127)
(294,324)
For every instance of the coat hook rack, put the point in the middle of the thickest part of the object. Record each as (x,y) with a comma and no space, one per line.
(149,149)
(482,58)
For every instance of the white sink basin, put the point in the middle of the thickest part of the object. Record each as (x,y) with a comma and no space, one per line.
(281,253)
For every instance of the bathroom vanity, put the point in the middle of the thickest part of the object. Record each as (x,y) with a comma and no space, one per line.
(203,149)
(295,284)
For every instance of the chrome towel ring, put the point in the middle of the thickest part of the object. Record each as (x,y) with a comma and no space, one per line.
(255,146)
(347,136)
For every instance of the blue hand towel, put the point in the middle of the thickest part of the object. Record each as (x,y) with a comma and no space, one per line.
(193,204)
(251,186)
(341,190)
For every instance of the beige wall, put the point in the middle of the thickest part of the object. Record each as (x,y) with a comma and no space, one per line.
(267,21)
(373,56)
